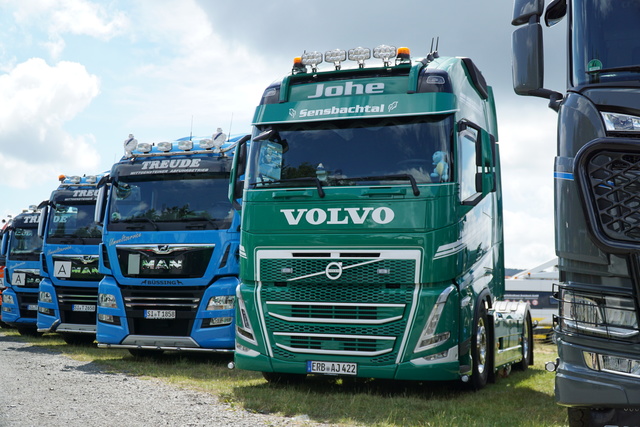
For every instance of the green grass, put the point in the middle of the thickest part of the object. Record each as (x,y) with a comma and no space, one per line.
(521,399)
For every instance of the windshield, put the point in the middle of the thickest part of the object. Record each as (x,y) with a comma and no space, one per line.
(176,202)
(605,37)
(25,244)
(352,152)
(73,221)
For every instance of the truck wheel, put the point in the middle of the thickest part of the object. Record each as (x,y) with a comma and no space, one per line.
(142,354)
(579,417)
(282,378)
(78,339)
(527,344)
(29,332)
(481,349)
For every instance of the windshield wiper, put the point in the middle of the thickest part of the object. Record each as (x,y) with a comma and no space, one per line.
(201,218)
(398,177)
(141,219)
(635,68)
(304,178)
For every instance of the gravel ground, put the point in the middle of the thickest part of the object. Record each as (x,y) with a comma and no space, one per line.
(42,388)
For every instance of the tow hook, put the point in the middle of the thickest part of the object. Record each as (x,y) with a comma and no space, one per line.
(551,366)
(231,365)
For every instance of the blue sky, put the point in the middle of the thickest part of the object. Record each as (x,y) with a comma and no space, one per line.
(78,76)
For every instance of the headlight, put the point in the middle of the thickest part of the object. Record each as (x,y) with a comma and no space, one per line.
(222,302)
(7,299)
(107,300)
(621,122)
(428,338)
(243,326)
(598,314)
(45,297)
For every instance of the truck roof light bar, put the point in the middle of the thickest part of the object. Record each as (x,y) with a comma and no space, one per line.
(164,146)
(185,145)
(404,55)
(385,53)
(359,54)
(144,147)
(311,58)
(336,56)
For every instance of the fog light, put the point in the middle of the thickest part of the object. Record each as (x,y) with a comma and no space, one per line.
(612,364)
(46,311)
(106,318)
(217,321)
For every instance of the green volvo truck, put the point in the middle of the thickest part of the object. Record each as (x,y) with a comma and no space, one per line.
(597,201)
(372,240)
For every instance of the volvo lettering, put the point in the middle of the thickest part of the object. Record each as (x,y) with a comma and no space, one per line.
(371,239)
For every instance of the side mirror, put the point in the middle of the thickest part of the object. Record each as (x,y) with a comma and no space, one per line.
(238,169)
(101,205)
(44,217)
(528,59)
(524,10)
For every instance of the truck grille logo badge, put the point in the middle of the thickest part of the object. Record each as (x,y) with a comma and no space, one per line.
(333,270)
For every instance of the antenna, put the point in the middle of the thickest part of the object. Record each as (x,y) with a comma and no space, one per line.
(230,125)
(191,131)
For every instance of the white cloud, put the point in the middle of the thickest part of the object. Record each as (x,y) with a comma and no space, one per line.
(60,17)
(38,100)
(196,73)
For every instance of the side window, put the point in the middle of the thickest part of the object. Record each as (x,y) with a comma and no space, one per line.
(467,146)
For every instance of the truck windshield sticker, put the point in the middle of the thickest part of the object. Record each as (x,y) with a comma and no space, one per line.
(171,166)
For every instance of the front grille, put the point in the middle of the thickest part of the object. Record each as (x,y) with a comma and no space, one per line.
(164,261)
(353,270)
(315,318)
(24,301)
(608,172)
(74,304)
(184,301)
(77,267)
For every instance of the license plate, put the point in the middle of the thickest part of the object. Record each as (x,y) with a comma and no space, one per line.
(332,368)
(32,307)
(159,314)
(83,307)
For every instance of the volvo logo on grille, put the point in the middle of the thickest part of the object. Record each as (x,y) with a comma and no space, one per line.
(333,270)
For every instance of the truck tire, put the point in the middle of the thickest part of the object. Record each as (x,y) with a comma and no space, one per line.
(282,378)
(143,353)
(527,344)
(29,332)
(579,417)
(78,339)
(481,349)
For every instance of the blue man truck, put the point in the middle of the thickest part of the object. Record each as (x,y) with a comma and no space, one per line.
(597,209)
(69,288)
(170,248)
(21,247)
(372,225)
